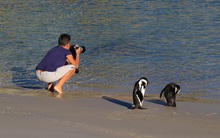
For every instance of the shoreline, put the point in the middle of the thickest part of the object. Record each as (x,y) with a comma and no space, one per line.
(43,92)
(97,116)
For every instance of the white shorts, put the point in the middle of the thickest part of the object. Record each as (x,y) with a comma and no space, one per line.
(49,77)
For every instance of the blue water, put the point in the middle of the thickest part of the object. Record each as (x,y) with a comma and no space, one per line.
(165,41)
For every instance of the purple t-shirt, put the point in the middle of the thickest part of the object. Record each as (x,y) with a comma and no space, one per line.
(54,59)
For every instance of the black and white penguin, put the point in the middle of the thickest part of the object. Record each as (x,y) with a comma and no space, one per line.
(170,92)
(139,92)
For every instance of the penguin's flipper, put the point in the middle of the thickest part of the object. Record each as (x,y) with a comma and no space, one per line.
(161,93)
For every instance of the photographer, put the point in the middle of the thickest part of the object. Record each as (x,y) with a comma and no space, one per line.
(53,67)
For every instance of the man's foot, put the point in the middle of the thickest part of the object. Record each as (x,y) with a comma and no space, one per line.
(59,90)
(59,95)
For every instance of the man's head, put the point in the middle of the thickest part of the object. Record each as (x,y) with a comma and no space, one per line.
(64,39)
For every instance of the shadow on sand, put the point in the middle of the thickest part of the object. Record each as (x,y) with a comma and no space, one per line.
(119,102)
(157,101)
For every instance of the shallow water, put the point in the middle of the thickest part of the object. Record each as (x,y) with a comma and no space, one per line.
(125,40)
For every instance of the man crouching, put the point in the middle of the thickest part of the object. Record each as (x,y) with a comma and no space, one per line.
(53,66)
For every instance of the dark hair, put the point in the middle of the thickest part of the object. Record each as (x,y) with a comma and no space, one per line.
(64,39)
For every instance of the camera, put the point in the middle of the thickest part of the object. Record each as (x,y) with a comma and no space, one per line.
(73,51)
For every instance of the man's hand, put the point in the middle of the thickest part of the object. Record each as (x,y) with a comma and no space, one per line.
(78,51)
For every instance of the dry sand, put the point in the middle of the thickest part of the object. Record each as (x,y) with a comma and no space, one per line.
(104,116)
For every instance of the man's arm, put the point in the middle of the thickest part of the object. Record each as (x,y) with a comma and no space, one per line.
(72,61)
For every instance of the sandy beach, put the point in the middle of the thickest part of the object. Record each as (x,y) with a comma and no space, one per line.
(99,116)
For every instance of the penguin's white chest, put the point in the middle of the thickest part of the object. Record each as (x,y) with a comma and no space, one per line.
(142,90)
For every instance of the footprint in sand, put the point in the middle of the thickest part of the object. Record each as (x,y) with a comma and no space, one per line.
(117,115)
(10,110)
(211,114)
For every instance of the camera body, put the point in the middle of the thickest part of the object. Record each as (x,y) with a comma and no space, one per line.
(73,51)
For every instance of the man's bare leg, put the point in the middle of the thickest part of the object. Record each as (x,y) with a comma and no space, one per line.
(61,82)
(50,87)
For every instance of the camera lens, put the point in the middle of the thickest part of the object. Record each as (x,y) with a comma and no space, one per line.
(82,49)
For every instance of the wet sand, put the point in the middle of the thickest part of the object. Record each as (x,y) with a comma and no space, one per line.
(99,116)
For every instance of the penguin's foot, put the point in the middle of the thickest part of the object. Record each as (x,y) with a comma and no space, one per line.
(134,107)
(171,104)
(142,108)
(138,107)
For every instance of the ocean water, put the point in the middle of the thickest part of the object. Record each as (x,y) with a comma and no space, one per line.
(164,41)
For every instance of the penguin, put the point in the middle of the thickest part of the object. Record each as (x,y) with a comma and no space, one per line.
(170,92)
(138,93)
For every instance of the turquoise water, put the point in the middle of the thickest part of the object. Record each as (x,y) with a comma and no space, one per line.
(165,41)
